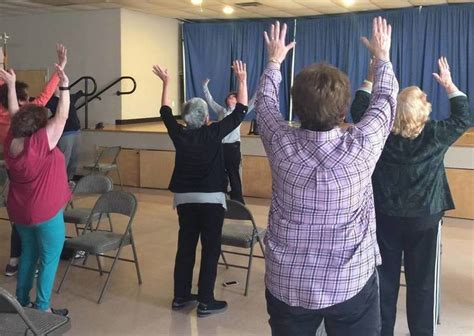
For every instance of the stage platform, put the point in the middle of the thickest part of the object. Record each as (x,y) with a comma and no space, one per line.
(147,160)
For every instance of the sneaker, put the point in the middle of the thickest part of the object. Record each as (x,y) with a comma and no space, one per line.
(80,255)
(215,307)
(11,270)
(60,312)
(179,303)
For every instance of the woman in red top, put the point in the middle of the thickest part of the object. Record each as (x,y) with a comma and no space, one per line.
(23,98)
(38,189)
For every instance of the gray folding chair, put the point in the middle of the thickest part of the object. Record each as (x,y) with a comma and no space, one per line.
(242,235)
(99,243)
(105,162)
(4,181)
(91,184)
(16,320)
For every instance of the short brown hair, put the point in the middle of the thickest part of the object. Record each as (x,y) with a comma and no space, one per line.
(21,89)
(230,94)
(321,96)
(28,120)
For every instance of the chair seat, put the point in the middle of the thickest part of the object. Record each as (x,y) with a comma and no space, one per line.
(239,235)
(101,166)
(79,215)
(47,323)
(96,242)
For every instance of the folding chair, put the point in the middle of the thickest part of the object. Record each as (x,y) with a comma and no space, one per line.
(100,242)
(91,184)
(105,162)
(16,320)
(241,235)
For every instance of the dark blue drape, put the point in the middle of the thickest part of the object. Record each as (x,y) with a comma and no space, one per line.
(210,49)
(420,36)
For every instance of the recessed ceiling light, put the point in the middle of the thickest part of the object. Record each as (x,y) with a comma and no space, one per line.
(228,10)
(196,2)
(348,3)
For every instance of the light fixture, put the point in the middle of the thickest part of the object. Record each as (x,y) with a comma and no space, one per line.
(228,10)
(348,3)
(196,2)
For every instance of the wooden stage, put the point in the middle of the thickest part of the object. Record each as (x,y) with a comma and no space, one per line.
(147,161)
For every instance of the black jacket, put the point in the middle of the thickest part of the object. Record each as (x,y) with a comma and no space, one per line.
(199,160)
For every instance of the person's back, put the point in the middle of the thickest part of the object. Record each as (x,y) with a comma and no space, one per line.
(321,247)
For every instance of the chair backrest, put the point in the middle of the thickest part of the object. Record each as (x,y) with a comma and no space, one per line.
(9,305)
(93,184)
(238,211)
(117,201)
(108,155)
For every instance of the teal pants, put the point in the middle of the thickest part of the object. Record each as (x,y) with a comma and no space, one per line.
(41,247)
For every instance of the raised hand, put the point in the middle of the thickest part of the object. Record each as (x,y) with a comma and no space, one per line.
(240,70)
(161,73)
(444,76)
(275,42)
(379,44)
(63,78)
(206,81)
(9,77)
(61,51)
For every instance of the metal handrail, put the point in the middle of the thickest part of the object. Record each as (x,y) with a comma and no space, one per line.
(87,94)
(118,93)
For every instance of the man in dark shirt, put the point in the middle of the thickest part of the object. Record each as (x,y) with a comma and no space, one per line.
(71,138)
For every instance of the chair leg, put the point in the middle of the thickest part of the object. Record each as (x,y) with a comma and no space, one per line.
(135,257)
(120,178)
(249,269)
(261,246)
(99,265)
(108,275)
(67,271)
(225,261)
(110,222)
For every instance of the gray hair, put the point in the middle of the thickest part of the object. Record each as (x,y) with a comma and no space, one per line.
(195,112)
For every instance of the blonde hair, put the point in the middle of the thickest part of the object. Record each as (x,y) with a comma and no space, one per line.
(413,112)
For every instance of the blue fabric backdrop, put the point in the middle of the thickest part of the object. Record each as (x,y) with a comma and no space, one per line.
(420,36)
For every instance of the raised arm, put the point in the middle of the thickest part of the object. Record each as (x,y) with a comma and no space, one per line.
(9,77)
(220,110)
(362,96)
(377,121)
(229,123)
(449,130)
(48,90)
(165,111)
(55,125)
(267,106)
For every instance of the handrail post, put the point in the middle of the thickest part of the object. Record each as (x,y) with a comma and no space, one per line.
(86,107)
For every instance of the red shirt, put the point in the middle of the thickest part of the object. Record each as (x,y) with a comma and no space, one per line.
(42,99)
(38,180)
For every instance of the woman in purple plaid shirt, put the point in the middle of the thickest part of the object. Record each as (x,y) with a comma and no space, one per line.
(321,246)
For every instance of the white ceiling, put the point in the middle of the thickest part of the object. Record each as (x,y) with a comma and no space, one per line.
(212,9)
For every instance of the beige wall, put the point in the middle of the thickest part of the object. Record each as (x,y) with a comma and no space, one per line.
(93,40)
(147,40)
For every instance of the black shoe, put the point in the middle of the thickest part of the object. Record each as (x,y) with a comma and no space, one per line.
(179,303)
(61,312)
(214,307)
(11,270)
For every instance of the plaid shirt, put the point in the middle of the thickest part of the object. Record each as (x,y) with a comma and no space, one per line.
(321,246)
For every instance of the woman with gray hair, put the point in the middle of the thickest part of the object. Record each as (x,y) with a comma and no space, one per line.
(199,186)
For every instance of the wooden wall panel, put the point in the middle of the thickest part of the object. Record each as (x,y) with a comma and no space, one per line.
(256,177)
(461,183)
(129,166)
(156,168)
(34,78)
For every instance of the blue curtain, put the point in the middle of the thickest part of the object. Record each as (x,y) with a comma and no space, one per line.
(420,36)
(210,49)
